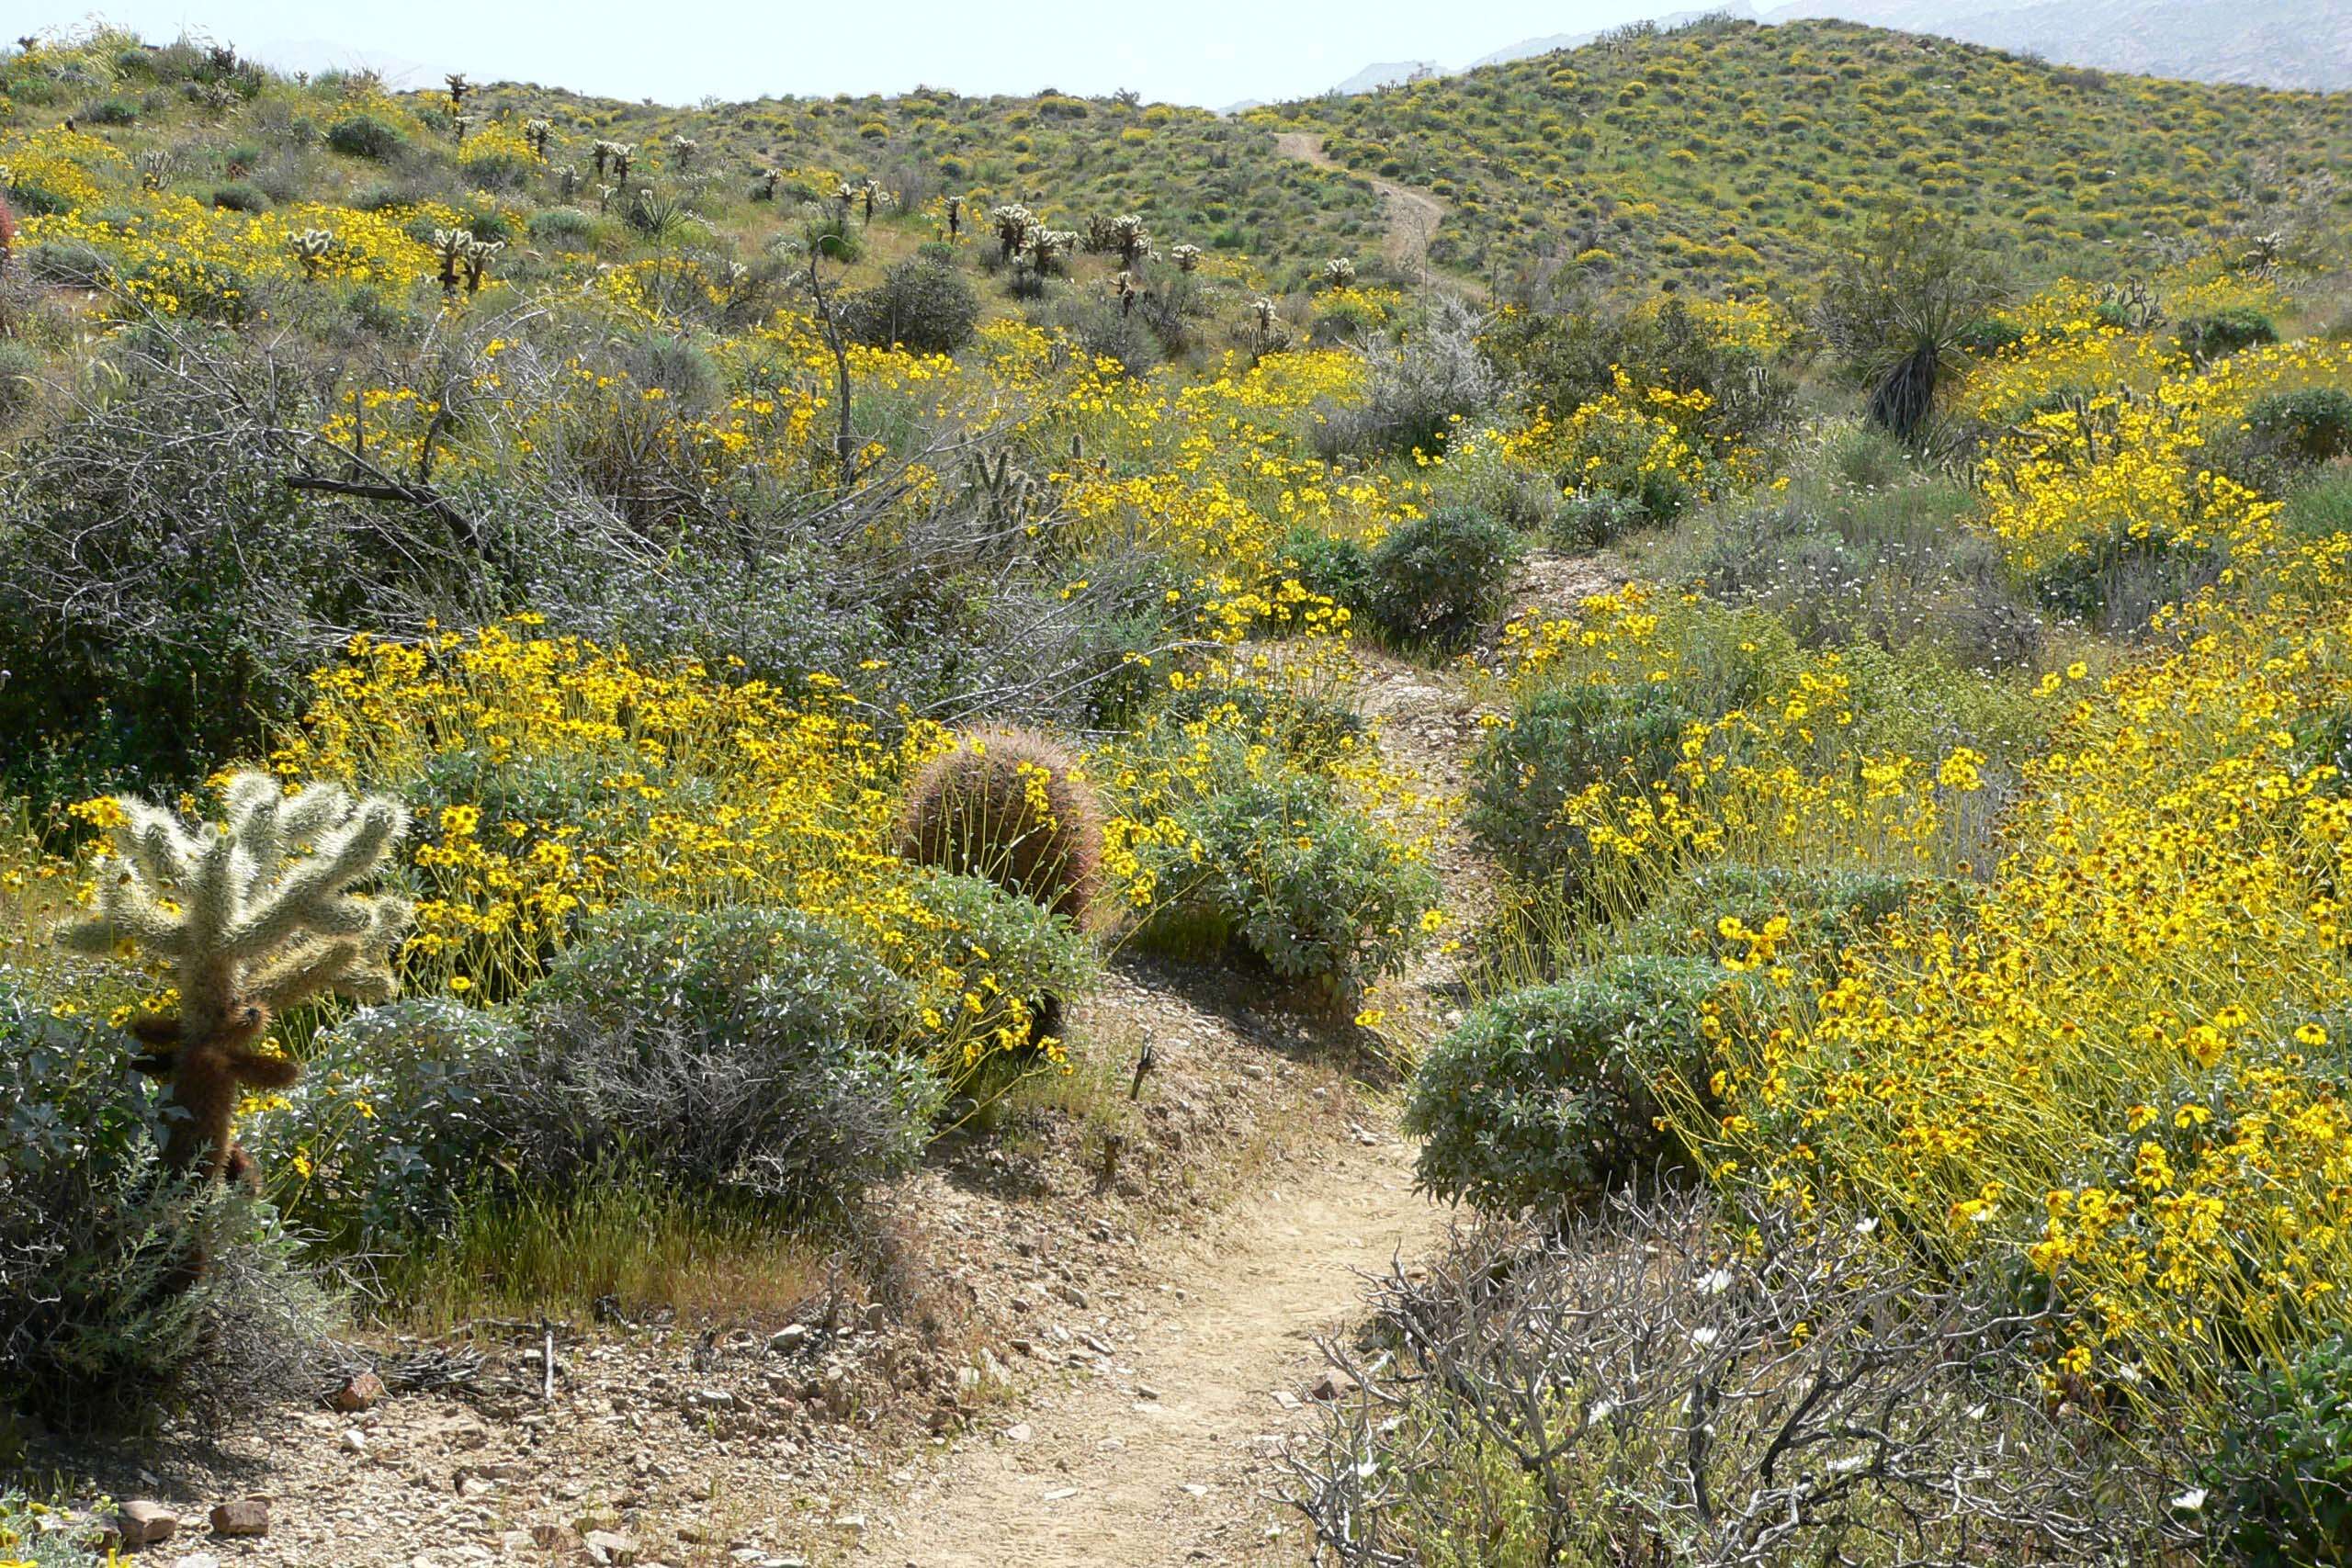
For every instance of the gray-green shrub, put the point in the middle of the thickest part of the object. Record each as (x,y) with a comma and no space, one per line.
(1546,1097)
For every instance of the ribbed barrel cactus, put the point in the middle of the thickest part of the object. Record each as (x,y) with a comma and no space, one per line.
(256,915)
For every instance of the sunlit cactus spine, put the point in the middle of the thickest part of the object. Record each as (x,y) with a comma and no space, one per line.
(311,247)
(256,915)
(1012,222)
(1186,257)
(1130,239)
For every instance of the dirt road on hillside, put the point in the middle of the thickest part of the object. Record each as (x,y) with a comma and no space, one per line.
(1411,215)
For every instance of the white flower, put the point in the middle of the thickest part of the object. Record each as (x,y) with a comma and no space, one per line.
(1865,1227)
(1703,1337)
(2191,1500)
(1717,1283)
(1599,1411)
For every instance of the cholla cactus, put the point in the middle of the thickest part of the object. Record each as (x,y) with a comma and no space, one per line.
(1012,222)
(536,133)
(7,228)
(451,245)
(462,123)
(766,191)
(479,255)
(1130,239)
(311,247)
(955,205)
(622,151)
(1339,273)
(155,166)
(1046,246)
(682,152)
(1186,257)
(458,88)
(567,181)
(874,196)
(1128,293)
(252,926)
(2263,251)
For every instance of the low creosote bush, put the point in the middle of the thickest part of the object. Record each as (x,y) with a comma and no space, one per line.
(2311,426)
(1543,1097)
(922,303)
(2226,331)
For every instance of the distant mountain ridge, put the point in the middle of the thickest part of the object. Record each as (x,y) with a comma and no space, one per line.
(2292,44)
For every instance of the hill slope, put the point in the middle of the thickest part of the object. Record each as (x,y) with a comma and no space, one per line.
(2271,43)
(1732,151)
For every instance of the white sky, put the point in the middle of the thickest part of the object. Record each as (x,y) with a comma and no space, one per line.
(1210,52)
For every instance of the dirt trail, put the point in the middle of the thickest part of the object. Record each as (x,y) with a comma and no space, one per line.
(1165,1455)
(1412,215)
(1163,1460)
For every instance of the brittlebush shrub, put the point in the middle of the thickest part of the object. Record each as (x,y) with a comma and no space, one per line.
(1549,1096)
(1434,581)
(1278,869)
(1559,743)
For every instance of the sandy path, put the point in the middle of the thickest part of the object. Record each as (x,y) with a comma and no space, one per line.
(1412,215)
(1163,1460)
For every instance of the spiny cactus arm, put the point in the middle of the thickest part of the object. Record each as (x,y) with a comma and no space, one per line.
(309,898)
(264,1069)
(126,911)
(357,967)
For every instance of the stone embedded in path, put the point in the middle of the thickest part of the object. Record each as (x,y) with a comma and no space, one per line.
(1019,1432)
(362,1392)
(610,1549)
(1334,1384)
(144,1523)
(245,1517)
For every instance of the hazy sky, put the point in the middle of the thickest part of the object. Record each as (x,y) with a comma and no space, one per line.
(1195,52)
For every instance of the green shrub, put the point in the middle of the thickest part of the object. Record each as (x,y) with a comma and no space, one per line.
(2285,1464)
(2226,331)
(109,111)
(1434,581)
(2320,511)
(565,229)
(1544,1098)
(2311,425)
(365,136)
(238,196)
(1588,522)
(922,302)
(760,1050)
(1556,744)
(1825,910)
(1339,569)
(94,1332)
(1295,881)
(20,370)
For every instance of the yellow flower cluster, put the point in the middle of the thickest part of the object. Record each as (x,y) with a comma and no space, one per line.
(2125,1065)
(555,779)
